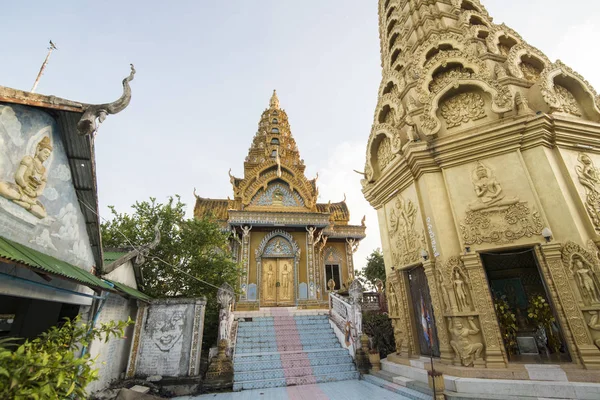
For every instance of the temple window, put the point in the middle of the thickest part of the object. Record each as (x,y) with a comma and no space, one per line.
(393,40)
(468,6)
(332,271)
(274,154)
(475,20)
(389,13)
(436,50)
(395,55)
(391,26)
(275,121)
(275,130)
(275,141)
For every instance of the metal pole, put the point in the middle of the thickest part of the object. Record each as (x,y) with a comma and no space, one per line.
(37,80)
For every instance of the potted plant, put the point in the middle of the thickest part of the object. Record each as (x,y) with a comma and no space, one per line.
(540,313)
(374,359)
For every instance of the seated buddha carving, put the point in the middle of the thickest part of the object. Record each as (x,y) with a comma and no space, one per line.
(488,190)
(30,180)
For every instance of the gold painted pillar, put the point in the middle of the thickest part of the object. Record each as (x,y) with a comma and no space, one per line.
(446,353)
(310,260)
(495,354)
(351,247)
(575,322)
(246,263)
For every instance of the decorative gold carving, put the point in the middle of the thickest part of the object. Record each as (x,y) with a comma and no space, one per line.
(584,267)
(440,80)
(437,310)
(493,218)
(393,305)
(407,242)
(465,349)
(463,108)
(530,71)
(589,177)
(398,336)
(384,153)
(454,285)
(30,180)
(587,281)
(567,100)
(594,324)
(556,265)
(487,189)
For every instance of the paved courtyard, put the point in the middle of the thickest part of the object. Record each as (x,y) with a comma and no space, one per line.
(344,390)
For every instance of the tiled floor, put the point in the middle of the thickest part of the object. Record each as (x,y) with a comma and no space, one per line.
(344,390)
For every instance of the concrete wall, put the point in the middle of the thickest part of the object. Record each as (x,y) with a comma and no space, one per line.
(114,354)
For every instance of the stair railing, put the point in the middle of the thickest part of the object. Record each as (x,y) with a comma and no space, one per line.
(346,314)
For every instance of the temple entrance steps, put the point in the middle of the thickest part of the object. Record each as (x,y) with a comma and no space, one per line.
(283,347)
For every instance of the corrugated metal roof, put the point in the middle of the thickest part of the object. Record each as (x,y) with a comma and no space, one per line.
(130,291)
(24,255)
(111,256)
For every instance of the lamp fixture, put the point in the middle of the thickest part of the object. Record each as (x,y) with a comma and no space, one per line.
(424,254)
(547,234)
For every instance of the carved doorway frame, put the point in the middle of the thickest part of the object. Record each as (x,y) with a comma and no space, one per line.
(267,252)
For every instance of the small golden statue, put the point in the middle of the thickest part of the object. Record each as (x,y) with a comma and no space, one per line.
(30,180)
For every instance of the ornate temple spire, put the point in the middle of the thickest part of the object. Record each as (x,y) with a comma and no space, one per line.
(448,68)
(274,102)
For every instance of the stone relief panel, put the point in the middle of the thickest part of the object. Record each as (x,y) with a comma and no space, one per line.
(455,286)
(462,108)
(589,178)
(405,229)
(583,267)
(491,213)
(464,340)
(384,153)
(38,203)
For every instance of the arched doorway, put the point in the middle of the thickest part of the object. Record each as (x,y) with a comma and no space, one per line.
(277,267)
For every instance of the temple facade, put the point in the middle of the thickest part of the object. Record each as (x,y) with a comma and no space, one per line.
(292,250)
(482,166)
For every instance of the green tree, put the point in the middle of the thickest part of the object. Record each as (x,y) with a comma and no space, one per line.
(50,367)
(198,247)
(374,270)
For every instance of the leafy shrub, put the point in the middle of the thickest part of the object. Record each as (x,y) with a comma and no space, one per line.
(50,367)
(379,328)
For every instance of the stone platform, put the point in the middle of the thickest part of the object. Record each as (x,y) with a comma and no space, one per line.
(542,382)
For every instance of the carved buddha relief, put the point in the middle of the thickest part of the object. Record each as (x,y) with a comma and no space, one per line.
(406,241)
(494,217)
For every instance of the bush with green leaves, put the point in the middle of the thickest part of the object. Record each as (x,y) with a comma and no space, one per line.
(381,332)
(51,366)
(507,320)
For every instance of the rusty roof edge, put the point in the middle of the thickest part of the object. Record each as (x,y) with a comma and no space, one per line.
(11,95)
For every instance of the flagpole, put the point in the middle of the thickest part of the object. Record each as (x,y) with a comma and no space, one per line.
(37,79)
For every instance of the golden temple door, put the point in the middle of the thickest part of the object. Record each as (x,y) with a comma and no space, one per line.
(277,282)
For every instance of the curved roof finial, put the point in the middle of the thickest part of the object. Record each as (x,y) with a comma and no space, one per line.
(87,125)
(274,102)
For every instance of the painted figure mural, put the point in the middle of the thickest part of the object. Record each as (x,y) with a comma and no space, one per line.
(166,329)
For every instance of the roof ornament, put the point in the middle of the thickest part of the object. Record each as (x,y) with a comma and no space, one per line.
(274,102)
(96,114)
(343,201)
(195,195)
(144,250)
(278,163)
(362,221)
(231,177)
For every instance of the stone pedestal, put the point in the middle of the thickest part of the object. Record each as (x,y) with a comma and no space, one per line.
(436,383)
(362,359)
(220,369)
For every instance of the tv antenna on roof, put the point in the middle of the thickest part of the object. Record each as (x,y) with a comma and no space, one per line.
(37,80)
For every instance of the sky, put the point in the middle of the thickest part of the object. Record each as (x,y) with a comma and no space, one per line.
(205,73)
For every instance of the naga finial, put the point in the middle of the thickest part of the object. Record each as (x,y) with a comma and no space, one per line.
(195,195)
(343,201)
(94,115)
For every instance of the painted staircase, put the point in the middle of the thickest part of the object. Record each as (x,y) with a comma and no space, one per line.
(282,348)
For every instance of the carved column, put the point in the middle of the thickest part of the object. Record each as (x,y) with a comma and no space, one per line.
(588,352)
(246,262)
(310,257)
(403,316)
(446,353)
(560,312)
(494,346)
(350,249)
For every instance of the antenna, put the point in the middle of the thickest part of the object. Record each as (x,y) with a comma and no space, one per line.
(37,80)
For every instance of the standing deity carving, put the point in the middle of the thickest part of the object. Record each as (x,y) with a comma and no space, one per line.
(461,344)
(285,278)
(398,337)
(270,282)
(587,281)
(590,179)
(444,289)
(460,282)
(407,242)
(30,180)
(392,299)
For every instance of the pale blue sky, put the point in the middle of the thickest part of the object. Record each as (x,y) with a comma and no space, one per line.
(205,72)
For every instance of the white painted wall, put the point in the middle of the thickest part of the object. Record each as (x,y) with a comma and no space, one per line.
(113,355)
(123,274)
